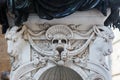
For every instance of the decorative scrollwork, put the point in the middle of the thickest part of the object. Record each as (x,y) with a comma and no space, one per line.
(57,45)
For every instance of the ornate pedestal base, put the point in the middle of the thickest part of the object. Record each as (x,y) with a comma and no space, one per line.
(60,52)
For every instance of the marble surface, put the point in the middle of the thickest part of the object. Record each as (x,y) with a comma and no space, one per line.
(115,57)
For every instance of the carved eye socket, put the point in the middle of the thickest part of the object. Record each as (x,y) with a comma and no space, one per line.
(63,41)
(55,41)
(101,29)
(105,39)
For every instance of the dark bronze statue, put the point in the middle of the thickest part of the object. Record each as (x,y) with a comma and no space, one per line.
(3,15)
(49,9)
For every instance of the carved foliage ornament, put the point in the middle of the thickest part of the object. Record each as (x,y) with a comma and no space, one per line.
(60,45)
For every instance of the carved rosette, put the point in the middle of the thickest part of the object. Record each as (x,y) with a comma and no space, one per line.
(84,52)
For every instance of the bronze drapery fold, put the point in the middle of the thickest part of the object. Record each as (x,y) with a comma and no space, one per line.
(49,9)
(3,15)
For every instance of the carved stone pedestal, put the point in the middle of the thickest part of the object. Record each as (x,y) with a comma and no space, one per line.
(59,51)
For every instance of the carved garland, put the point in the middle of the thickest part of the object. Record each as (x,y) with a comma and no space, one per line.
(47,59)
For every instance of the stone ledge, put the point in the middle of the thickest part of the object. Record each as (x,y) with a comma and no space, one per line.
(85,18)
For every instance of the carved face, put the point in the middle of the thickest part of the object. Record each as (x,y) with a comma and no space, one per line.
(14,41)
(103,41)
(107,49)
(10,39)
(13,44)
(59,43)
(103,45)
(10,46)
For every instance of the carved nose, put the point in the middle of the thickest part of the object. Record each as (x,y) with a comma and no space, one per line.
(60,49)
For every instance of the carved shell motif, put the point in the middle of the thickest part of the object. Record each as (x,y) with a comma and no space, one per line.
(60,73)
(59,30)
